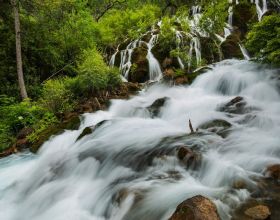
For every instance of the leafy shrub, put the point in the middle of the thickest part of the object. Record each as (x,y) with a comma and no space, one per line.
(44,123)
(118,25)
(93,75)
(263,41)
(56,97)
(15,116)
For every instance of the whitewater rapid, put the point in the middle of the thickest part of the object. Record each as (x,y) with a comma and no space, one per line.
(128,169)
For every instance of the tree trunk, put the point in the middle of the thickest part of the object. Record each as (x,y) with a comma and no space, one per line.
(22,88)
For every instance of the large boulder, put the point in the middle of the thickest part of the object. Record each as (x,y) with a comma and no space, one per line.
(196,208)
(230,47)
(139,71)
(244,13)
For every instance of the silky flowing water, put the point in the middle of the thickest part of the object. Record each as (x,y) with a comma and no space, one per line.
(128,167)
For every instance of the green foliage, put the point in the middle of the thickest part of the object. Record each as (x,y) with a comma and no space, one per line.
(263,41)
(15,116)
(56,97)
(47,120)
(214,16)
(93,75)
(118,25)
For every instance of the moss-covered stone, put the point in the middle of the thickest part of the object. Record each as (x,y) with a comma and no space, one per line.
(230,47)
(71,124)
(85,132)
(243,15)
(140,67)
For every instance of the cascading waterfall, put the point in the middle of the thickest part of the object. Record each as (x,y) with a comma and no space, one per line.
(154,67)
(125,64)
(244,52)
(261,9)
(195,45)
(126,58)
(179,39)
(113,57)
(128,169)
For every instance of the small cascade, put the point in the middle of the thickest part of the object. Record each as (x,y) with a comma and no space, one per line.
(195,45)
(179,39)
(154,68)
(113,57)
(230,16)
(126,58)
(261,9)
(244,52)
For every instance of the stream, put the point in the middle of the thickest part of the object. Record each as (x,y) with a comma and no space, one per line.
(128,168)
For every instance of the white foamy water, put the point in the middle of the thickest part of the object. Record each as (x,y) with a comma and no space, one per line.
(128,169)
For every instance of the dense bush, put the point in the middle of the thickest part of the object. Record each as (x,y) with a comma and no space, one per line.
(118,25)
(93,75)
(56,97)
(263,41)
(15,116)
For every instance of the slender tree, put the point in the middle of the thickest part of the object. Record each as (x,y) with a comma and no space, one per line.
(22,88)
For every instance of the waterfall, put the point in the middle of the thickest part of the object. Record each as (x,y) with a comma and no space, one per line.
(113,57)
(126,58)
(179,39)
(195,45)
(128,168)
(244,52)
(154,68)
(230,15)
(261,9)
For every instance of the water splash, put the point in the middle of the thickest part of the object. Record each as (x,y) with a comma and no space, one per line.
(155,73)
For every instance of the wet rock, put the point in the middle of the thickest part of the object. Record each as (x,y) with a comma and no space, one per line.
(86,131)
(215,123)
(23,133)
(239,184)
(244,14)
(218,126)
(259,212)
(230,47)
(8,151)
(188,156)
(139,71)
(236,106)
(196,208)
(154,108)
(273,171)
(181,80)
(167,63)
(169,73)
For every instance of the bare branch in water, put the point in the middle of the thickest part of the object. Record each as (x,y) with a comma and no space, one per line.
(190,126)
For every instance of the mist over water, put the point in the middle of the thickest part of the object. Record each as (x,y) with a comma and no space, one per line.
(128,167)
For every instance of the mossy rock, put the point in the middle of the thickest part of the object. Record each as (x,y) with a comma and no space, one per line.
(230,47)
(209,50)
(244,14)
(139,71)
(215,123)
(85,132)
(71,124)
